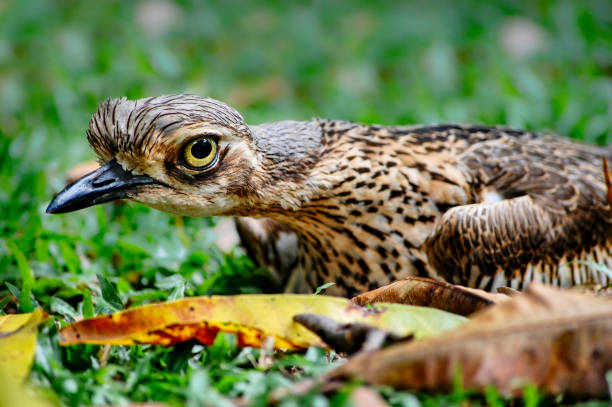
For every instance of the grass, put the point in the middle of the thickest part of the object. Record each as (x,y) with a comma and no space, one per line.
(387,62)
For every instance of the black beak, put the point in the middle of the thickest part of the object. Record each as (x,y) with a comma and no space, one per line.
(105,184)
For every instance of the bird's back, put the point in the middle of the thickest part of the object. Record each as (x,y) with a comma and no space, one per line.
(418,200)
(477,205)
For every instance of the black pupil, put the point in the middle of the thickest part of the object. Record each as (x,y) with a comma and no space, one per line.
(201,149)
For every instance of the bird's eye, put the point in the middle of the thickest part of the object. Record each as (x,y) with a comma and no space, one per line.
(201,152)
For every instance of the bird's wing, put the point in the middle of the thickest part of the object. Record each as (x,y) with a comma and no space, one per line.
(515,241)
(551,209)
(560,175)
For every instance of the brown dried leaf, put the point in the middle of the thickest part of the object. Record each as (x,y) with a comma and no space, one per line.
(558,340)
(427,292)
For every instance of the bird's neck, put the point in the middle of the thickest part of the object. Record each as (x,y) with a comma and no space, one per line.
(287,142)
(356,198)
(292,170)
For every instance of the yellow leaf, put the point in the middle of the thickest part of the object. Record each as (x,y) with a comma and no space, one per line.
(20,396)
(252,318)
(18,343)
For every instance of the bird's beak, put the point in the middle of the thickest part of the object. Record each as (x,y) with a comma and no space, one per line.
(105,184)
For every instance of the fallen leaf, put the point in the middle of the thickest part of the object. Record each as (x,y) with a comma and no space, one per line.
(12,395)
(557,340)
(18,343)
(253,318)
(427,292)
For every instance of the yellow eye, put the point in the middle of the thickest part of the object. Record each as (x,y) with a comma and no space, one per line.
(201,152)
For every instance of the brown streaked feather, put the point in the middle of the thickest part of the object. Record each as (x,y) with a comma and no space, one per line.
(495,205)
(514,242)
(396,184)
(559,216)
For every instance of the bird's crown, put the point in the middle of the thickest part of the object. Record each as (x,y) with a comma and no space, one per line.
(137,127)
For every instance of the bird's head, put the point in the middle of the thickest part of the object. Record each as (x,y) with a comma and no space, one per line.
(192,156)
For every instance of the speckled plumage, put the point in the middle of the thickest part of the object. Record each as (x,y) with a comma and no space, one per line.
(476,205)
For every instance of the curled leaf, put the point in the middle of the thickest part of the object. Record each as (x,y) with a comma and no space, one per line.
(557,340)
(427,292)
(252,318)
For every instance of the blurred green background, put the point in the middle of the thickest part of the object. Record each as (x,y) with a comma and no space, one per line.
(542,65)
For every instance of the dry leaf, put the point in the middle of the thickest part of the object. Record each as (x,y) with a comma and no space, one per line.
(253,318)
(558,340)
(18,343)
(431,293)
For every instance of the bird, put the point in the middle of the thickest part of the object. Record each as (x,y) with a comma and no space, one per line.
(361,205)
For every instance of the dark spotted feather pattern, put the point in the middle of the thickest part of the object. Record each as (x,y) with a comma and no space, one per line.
(363,205)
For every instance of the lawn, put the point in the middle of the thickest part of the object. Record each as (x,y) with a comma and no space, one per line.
(542,65)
